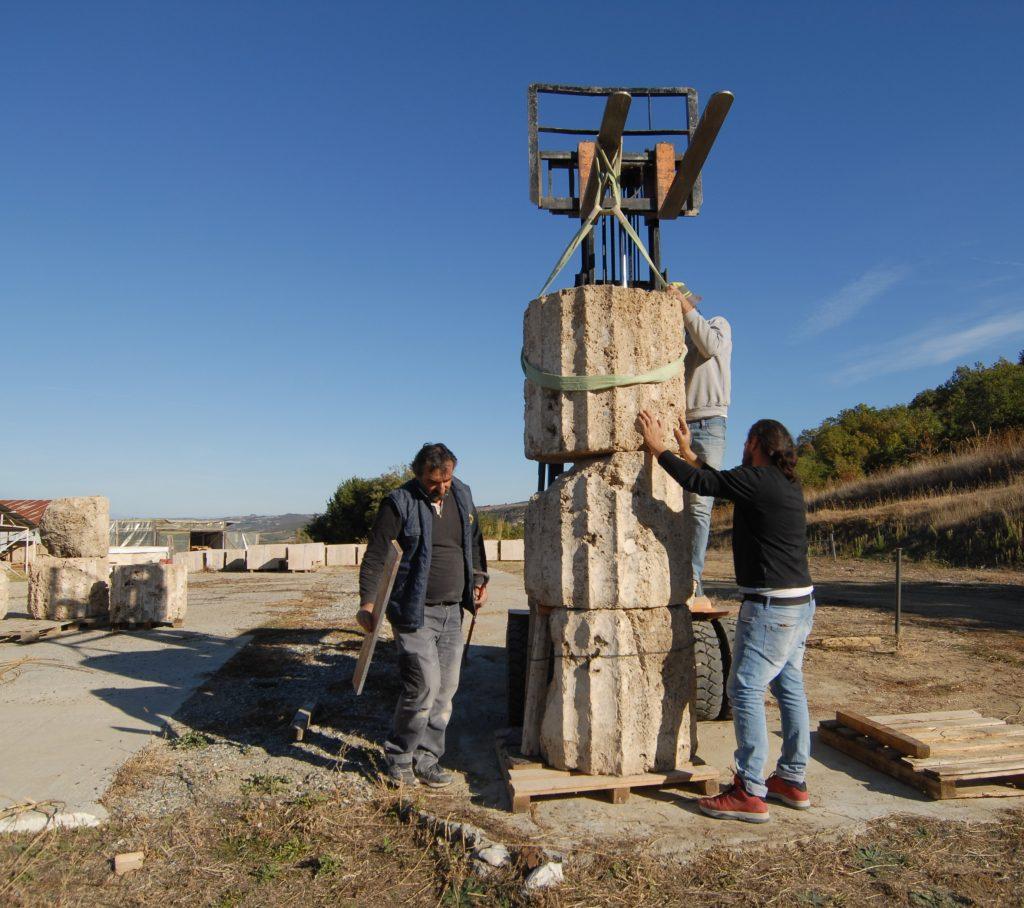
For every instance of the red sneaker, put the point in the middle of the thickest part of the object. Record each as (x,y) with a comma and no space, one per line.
(792,794)
(735,804)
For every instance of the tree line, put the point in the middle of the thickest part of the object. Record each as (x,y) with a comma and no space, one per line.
(976,401)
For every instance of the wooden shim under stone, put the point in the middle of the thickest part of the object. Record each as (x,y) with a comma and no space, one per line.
(380,601)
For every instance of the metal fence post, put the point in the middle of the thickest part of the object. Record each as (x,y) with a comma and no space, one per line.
(899,593)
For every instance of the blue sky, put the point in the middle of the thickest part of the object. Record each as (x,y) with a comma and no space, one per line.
(238,262)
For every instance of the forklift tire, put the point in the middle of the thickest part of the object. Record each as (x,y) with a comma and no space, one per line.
(517,645)
(707,657)
(726,630)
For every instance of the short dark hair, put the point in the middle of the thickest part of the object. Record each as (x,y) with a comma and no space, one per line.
(777,444)
(432,456)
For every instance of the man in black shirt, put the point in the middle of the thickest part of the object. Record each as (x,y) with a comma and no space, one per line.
(443,571)
(769,548)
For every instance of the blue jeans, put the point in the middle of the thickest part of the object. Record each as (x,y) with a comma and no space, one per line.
(708,443)
(769,653)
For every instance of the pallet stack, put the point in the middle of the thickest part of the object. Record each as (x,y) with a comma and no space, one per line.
(952,754)
(610,688)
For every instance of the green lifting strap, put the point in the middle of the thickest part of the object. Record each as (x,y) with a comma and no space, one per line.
(598,382)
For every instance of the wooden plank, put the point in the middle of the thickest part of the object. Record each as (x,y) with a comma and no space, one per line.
(876,760)
(976,790)
(696,154)
(900,718)
(952,737)
(562,781)
(901,742)
(949,764)
(926,728)
(976,769)
(664,170)
(380,601)
(536,680)
(302,720)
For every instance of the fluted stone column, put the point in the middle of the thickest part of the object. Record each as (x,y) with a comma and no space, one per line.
(612,684)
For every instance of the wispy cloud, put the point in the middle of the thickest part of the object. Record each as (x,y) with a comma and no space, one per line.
(932,347)
(849,300)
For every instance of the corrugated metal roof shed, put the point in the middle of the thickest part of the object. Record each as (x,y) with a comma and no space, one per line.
(25,510)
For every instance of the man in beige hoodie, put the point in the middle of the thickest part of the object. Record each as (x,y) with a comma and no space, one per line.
(708,386)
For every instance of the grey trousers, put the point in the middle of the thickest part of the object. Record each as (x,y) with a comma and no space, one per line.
(429,660)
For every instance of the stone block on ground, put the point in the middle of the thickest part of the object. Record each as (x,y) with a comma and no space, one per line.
(62,588)
(620,700)
(268,557)
(148,593)
(234,559)
(76,527)
(512,550)
(305,556)
(600,330)
(213,559)
(608,534)
(491,547)
(4,593)
(341,555)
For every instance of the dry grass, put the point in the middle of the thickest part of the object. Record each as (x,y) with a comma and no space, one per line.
(981,462)
(965,509)
(338,849)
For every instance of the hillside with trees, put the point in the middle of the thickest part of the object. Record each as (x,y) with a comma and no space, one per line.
(977,402)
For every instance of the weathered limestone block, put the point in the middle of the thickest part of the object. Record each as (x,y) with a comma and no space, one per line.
(213,559)
(77,527)
(4,593)
(341,555)
(234,559)
(491,550)
(305,556)
(61,588)
(600,330)
(512,550)
(608,534)
(269,557)
(149,593)
(620,700)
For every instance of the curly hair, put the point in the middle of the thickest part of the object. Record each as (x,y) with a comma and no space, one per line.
(432,456)
(777,444)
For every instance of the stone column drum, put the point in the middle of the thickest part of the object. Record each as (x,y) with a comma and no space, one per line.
(63,588)
(155,593)
(611,680)
(599,330)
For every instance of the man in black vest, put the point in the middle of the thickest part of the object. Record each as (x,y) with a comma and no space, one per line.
(443,571)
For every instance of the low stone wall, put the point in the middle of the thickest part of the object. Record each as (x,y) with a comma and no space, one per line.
(342,555)
(305,556)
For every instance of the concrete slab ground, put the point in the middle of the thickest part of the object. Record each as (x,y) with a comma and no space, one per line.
(846,794)
(79,705)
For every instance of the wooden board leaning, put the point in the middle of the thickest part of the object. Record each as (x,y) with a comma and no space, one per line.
(380,601)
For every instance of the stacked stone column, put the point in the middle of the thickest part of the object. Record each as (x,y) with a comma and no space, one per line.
(611,681)
(72,580)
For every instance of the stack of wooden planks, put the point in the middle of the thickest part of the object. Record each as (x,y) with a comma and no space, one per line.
(952,754)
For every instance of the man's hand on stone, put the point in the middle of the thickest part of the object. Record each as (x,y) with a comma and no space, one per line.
(364,617)
(653,432)
(684,438)
(479,596)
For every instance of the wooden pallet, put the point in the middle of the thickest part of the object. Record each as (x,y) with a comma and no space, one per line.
(952,754)
(528,778)
(29,630)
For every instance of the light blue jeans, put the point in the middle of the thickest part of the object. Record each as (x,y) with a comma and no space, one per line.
(769,653)
(708,443)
